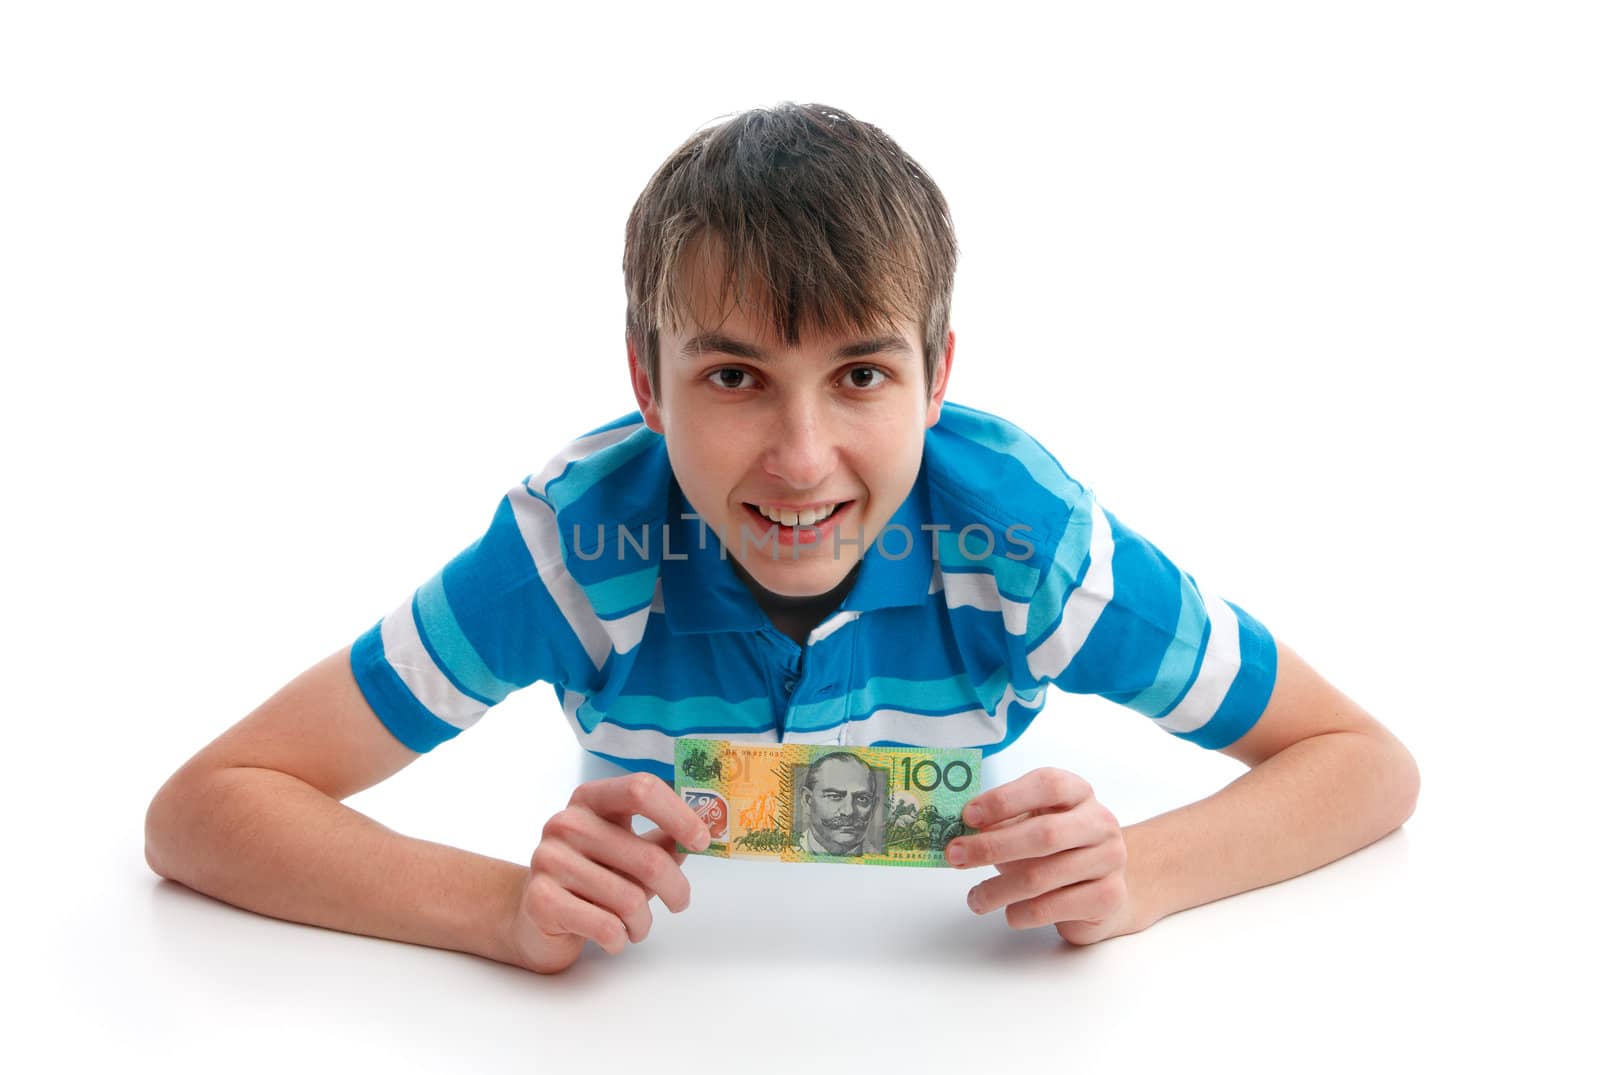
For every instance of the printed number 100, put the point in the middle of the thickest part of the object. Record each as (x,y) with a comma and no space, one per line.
(926,775)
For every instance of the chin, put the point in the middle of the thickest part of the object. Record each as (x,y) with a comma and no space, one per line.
(802,581)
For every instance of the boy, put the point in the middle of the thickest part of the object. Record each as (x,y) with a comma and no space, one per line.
(795,538)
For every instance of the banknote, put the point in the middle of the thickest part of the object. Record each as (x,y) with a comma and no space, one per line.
(799,802)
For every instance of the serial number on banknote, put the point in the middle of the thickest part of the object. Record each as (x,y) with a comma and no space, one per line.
(799,802)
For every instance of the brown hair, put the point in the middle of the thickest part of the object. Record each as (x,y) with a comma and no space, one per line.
(823,221)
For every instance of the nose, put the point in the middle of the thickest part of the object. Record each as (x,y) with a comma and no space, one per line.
(802,448)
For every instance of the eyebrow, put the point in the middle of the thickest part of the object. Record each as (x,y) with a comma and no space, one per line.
(717,343)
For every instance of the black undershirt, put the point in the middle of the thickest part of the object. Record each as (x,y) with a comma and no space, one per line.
(796,616)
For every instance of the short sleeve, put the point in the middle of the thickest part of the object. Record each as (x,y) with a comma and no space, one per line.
(499,616)
(1113,616)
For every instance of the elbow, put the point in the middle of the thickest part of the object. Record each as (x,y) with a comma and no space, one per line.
(154,829)
(162,819)
(1403,780)
(1415,790)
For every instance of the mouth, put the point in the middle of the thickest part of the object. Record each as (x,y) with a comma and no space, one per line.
(797,533)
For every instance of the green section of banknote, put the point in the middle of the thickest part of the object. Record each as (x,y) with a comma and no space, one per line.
(799,802)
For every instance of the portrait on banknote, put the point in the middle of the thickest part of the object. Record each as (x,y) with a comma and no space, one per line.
(842,803)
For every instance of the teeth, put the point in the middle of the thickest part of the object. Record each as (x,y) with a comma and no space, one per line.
(808,517)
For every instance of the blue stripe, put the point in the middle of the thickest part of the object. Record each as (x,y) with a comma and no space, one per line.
(625,594)
(574,483)
(447,645)
(709,715)
(1181,663)
(1007,440)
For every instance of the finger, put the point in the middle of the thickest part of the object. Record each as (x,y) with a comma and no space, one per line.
(644,861)
(667,842)
(1041,789)
(605,889)
(1019,819)
(1044,834)
(562,912)
(1028,878)
(1086,901)
(622,797)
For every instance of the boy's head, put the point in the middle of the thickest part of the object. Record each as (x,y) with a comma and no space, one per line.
(789,274)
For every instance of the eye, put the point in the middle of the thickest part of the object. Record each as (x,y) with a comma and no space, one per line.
(723,371)
(730,378)
(867,369)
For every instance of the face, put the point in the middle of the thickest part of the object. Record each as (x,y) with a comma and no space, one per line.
(751,421)
(840,804)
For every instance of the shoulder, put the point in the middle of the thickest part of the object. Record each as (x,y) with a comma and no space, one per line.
(985,471)
(618,470)
(613,474)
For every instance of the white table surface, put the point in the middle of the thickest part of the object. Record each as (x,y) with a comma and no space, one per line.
(1456,938)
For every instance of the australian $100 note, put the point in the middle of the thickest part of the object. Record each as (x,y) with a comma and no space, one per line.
(797,802)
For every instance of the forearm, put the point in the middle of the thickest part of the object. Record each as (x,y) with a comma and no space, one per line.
(1309,804)
(270,843)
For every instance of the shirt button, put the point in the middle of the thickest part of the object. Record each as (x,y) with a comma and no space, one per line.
(788,686)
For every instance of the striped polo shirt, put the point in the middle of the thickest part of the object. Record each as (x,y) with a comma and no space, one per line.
(998,575)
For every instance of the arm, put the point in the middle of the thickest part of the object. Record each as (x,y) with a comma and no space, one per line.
(269,842)
(1325,779)
(255,820)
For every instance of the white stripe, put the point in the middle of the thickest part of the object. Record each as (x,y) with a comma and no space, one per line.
(1050,658)
(402,648)
(972,589)
(1218,669)
(641,743)
(536,521)
(971,728)
(537,524)
(832,624)
(626,632)
(579,449)
(979,590)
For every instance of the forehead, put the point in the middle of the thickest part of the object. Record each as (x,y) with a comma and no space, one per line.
(739,303)
(840,773)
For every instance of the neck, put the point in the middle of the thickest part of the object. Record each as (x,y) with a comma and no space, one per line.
(821,603)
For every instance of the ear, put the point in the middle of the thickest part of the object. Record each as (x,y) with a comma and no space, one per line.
(941,380)
(648,404)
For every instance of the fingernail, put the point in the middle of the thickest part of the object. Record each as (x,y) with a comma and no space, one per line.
(972,901)
(702,840)
(974,816)
(955,854)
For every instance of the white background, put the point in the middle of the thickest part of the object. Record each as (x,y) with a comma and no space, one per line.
(291,293)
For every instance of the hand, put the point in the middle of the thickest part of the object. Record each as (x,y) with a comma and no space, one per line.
(1060,854)
(592,877)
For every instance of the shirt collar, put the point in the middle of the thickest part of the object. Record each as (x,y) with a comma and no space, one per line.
(701,592)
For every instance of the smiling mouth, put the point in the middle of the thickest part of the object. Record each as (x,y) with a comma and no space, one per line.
(839,509)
